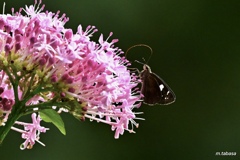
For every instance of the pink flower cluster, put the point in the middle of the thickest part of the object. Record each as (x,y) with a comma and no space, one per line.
(43,61)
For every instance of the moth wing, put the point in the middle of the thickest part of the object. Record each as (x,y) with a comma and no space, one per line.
(167,96)
(150,89)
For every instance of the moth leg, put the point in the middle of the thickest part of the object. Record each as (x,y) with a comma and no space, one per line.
(134,70)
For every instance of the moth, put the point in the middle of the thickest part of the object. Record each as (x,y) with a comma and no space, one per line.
(154,89)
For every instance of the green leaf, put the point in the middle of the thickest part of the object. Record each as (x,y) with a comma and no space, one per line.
(50,115)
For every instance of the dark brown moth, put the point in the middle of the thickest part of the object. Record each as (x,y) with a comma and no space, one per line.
(154,89)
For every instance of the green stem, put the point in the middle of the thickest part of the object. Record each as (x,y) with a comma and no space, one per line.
(14,83)
(29,94)
(13,117)
(17,108)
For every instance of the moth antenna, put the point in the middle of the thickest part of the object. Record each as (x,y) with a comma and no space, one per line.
(139,62)
(140,45)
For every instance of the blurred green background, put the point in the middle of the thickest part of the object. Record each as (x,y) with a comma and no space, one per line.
(196,45)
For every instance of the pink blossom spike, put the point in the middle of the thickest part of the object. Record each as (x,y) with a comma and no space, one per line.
(46,65)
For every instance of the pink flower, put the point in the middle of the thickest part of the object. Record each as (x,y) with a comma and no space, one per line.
(32,132)
(45,65)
